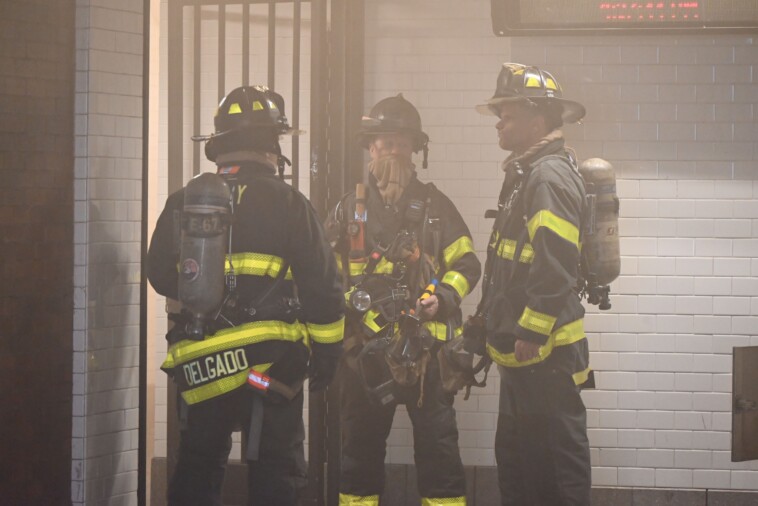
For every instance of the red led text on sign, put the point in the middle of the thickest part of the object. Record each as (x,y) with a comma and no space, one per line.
(650,11)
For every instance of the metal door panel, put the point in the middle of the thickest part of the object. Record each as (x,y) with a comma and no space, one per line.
(745,404)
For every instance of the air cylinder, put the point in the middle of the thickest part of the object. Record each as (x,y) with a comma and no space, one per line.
(205,219)
(601,258)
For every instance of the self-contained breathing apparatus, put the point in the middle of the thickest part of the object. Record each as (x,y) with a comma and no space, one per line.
(247,124)
(600,260)
(395,352)
(204,223)
(601,257)
(207,280)
(398,353)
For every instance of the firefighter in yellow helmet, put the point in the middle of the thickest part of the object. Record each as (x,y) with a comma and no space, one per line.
(530,312)
(402,247)
(242,365)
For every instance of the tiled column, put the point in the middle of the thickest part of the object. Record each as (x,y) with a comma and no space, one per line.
(108,165)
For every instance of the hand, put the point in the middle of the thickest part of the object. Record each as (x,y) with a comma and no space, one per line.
(321,369)
(426,309)
(474,336)
(526,350)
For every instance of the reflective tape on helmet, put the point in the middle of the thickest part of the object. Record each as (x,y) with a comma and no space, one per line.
(562,228)
(565,335)
(457,249)
(532,81)
(458,281)
(535,321)
(256,264)
(357,500)
(326,333)
(443,501)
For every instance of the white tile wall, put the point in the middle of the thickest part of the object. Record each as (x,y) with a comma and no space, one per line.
(676,116)
(106,279)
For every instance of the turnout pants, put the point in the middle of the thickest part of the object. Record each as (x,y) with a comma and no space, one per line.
(275,479)
(366,425)
(541,446)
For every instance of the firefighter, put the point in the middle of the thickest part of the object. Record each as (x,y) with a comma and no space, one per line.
(530,309)
(402,237)
(263,334)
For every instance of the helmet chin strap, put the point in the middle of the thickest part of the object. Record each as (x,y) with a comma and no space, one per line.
(257,156)
(281,160)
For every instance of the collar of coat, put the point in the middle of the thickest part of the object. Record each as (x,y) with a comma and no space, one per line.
(548,145)
(247,168)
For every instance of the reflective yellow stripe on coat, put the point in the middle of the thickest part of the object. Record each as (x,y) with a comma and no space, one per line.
(507,249)
(256,264)
(443,501)
(327,333)
(458,281)
(457,249)
(221,386)
(355,500)
(384,266)
(568,334)
(235,337)
(439,330)
(563,228)
(535,321)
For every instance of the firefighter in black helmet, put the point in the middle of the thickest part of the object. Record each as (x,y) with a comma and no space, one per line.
(402,247)
(248,369)
(531,313)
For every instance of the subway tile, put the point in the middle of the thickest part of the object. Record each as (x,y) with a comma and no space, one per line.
(657,458)
(674,478)
(636,477)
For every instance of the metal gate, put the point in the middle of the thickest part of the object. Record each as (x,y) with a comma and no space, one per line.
(217,45)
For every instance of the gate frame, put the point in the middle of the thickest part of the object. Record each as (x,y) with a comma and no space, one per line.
(335,163)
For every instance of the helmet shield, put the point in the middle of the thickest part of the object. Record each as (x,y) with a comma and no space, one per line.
(520,83)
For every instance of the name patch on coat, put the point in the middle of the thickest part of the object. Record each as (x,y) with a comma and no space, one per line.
(216,366)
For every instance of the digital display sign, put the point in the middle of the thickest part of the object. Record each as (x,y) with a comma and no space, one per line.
(527,17)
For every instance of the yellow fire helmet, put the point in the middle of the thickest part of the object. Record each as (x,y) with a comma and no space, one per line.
(517,82)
